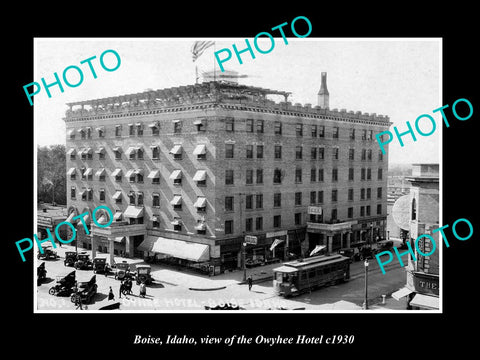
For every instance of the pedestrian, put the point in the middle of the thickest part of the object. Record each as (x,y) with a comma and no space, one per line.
(110,294)
(120,290)
(143,289)
(78,299)
(250,283)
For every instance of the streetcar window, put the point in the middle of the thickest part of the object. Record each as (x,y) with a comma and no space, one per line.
(279,277)
(311,274)
(303,275)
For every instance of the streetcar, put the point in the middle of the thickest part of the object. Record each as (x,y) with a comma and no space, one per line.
(296,277)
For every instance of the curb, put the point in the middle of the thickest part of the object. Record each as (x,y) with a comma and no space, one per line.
(208,289)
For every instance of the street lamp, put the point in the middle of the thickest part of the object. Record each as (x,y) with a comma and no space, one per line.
(365,302)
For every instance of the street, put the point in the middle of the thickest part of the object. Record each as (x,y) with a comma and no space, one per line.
(184,290)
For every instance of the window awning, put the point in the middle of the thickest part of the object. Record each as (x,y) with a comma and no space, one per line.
(200,226)
(154,174)
(425,301)
(70,218)
(133,212)
(80,130)
(317,249)
(100,172)
(119,239)
(201,202)
(177,200)
(397,295)
(200,175)
(175,222)
(154,146)
(117,172)
(138,171)
(117,195)
(117,216)
(130,150)
(71,151)
(102,220)
(101,150)
(117,148)
(200,149)
(176,175)
(87,172)
(81,192)
(176,248)
(87,151)
(100,128)
(199,122)
(176,150)
(154,124)
(70,132)
(71,171)
(129,173)
(138,124)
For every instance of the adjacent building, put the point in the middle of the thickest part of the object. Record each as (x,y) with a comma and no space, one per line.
(189,171)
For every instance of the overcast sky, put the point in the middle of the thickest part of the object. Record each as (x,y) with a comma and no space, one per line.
(400,78)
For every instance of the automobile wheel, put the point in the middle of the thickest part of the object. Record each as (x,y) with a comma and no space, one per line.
(52,291)
(73,298)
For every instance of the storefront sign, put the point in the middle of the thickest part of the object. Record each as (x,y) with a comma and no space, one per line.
(276,233)
(423,283)
(315,210)
(249,239)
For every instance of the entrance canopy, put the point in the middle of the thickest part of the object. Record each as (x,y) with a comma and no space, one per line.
(425,301)
(176,248)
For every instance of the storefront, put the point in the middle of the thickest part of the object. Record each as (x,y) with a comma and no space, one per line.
(421,291)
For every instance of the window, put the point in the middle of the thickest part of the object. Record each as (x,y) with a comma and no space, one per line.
(320,174)
(369,174)
(362,174)
(334,214)
(73,192)
(139,177)
(139,130)
(131,198)
(228,203)
(369,154)
(298,218)
(155,153)
(259,201)
(299,129)
(155,222)
(82,134)
(314,131)
(379,193)
(140,154)
(364,154)
(313,153)
(352,134)
(83,193)
(259,126)
(101,195)
(334,175)
(278,151)
(131,154)
(228,226)
(364,134)
(249,151)
(101,154)
(155,129)
(277,176)
(277,221)
(101,131)
(118,154)
(334,195)
(362,210)
(259,176)
(259,151)
(89,132)
(380,155)
(320,197)
(298,152)
(176,202)
(368,210)
(350,194)
(414,209)
(229,124)
(249,202)
(298,175)
(379,209)
(177,225)
(277,200)
(350,212)
(228,177)
(298,198)
(118,130)
(156,200)
(321,153)
(351,154)
(249,177)
(362,194)
(350,174)
(335,132)
(131,130)
(370,134)
(313,197)
(259,223)
(139,198)
(321,131)
(249,125)
(72,134)
(177,126)
(90,194)
(248,224)
(369,193)
(335,153)
(278,128)
(229,149)
(313,175)
(380,174)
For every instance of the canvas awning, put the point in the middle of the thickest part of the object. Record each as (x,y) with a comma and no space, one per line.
(176,175)
(117,195)
(200,226)
(100,172)
(129,173)
(200,175)
(101,150)
(117,216)
(70,218)
(176,150)
(130,150)
(425,301)
(200,149)
(71,171)
(138,171)
(397,295)
(116,172)
(71,151)
(154,174)
(133,212)
(275,243)
(177,200)
(201,202)
(117,148)
(317,249)
(87,172)
(176,248)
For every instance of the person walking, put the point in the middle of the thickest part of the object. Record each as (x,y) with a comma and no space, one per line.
(143,289)
(110,294)
(250,283)
(120,290)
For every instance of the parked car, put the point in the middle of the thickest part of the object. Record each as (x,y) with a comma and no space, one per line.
(384,245)
(64,285)
(41,273)
(83,262)
(100,265)
(70,258)
(123,271)
(143,274)
(48,252)
(86,288)
(348,252)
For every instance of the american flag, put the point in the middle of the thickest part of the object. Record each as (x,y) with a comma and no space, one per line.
(199,47)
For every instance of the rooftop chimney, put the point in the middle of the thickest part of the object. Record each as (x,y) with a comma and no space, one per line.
(323,95)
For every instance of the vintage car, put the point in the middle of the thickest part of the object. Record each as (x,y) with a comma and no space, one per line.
(85,289)
(48,252)
(123,271)
(83,262)
(349,252)
(64,285)
(143,274)
(70,258)
(100,265)
(384,245)
(41,273)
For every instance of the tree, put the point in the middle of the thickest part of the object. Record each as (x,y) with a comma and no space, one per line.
(51,174)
